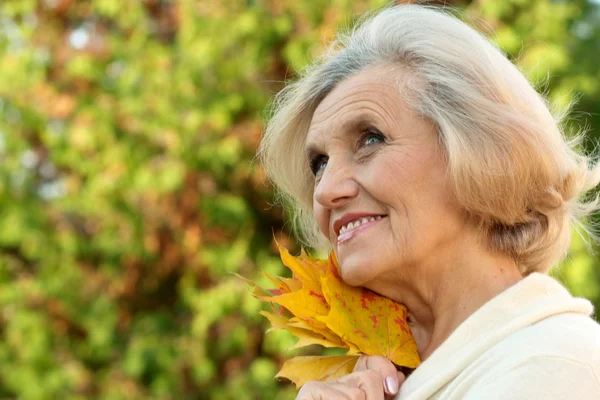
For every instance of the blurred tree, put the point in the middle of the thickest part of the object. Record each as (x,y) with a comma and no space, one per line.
(128,195)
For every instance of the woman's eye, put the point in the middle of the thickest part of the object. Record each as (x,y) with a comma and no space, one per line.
(371,137)
(318,164)
(373,140)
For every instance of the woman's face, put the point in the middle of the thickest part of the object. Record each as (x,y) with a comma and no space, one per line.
(381,193)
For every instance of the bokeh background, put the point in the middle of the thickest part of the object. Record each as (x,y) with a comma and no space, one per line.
(129,196)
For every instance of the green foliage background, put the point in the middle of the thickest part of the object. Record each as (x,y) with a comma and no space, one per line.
(128,196)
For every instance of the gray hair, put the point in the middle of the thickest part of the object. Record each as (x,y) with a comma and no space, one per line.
(512,167)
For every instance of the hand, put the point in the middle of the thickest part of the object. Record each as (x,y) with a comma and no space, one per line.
(392,378)
(374,378)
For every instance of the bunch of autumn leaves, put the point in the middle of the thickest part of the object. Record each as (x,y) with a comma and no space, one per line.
(319,308)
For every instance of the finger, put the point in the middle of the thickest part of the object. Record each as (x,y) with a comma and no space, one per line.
(389,392)
(401,378)
(383,366)
(349,392)
(369,381)
(314,390)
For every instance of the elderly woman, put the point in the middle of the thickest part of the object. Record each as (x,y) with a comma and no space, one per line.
(426,161)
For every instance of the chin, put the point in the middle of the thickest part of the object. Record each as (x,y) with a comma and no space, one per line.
(352,279)
(355,272)
(362,262)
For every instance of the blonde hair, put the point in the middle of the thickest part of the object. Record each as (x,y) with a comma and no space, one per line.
(512,167)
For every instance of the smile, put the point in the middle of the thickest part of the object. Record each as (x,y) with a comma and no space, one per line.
(353,227)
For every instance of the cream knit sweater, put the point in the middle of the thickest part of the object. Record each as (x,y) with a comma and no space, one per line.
(533,341)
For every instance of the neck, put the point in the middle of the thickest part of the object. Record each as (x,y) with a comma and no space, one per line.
(441,295)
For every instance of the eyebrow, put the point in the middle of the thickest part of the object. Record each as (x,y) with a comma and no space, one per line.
(354,125)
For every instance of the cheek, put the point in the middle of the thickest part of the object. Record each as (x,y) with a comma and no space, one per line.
(393,181)
(407,174)
(322,217)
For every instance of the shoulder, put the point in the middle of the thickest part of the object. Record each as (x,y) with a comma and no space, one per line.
(556,358)
(541,377)
(569,335)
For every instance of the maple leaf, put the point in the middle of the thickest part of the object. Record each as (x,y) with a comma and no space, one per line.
(318,308)
(375,324)
(322,368)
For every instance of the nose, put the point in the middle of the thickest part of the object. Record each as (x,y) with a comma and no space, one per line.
(337,186)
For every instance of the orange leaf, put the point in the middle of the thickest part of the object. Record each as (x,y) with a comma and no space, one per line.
(277,321)
(259,291)
(305,303)
(306,334)
(293,284)
(315,368)
(375,324)
(304,270)
(328,312)
(318,327)
(282,286)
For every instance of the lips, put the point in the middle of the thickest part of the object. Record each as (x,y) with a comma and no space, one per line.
(355,224)
(353,229)
(353,220)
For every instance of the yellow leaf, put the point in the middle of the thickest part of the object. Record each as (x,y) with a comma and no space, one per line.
(317,368)
(307,334)
(321,329)
(282,287)
(375,324)
(293,284)
(305,304)
(308,338)
(277,321)
(305,271)
(259,291)
(319,308)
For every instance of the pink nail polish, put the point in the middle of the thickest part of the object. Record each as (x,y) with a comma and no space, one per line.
(391,385)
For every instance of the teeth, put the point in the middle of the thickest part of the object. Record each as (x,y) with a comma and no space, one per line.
(355,224)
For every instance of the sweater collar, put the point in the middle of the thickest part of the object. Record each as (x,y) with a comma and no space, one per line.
(530,300)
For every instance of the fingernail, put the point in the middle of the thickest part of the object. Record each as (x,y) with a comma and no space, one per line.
(391,385)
